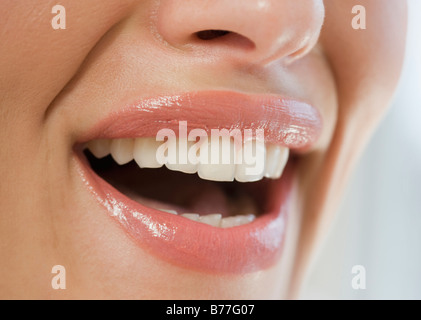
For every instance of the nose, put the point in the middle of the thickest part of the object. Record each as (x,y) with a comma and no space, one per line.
(252,31)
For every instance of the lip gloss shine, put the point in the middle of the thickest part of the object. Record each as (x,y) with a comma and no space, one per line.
(190,244)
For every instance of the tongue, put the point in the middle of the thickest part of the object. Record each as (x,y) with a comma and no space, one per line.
(211,199)
(204,200)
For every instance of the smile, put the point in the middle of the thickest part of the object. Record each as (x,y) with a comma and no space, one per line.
(212,217)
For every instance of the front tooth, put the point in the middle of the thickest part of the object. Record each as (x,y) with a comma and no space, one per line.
(276,160)
(217,171)
(99,148)
(273,157)
(122,150)
(182,164)
(230,222)
(251,172)
(145,152)
(211,219)
(191,216)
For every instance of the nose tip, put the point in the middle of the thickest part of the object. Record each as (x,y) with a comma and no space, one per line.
(255,31)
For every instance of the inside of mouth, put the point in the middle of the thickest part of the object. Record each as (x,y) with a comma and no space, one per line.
(167,190)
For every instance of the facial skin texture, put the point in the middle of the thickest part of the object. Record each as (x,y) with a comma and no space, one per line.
(56,84)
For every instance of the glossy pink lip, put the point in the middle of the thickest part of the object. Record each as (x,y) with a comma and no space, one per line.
(190,244)
(289,122)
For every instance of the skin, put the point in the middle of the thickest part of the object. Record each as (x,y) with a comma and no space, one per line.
(56,84)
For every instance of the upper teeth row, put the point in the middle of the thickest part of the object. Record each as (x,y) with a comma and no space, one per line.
(144,152)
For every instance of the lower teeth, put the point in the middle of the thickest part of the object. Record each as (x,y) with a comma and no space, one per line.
(217,204)
(216,219)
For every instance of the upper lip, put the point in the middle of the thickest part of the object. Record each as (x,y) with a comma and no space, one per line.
(289,122)
(250,247)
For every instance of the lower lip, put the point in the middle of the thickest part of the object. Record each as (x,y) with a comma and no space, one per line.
(197,246)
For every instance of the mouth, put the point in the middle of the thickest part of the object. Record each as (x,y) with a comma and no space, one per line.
(211,217)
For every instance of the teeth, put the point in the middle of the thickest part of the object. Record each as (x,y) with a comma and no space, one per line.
(169,211)
(191,216)
(216,219)
(276,160)
(245,172)
(100,148)
(211,219)
(268,160)
(145,152)
(188,167)
(230,222)
(220,171)
(122,150)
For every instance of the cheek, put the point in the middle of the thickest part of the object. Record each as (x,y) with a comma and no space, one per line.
(36,60)
(366,65)
(317,82)
(367,62)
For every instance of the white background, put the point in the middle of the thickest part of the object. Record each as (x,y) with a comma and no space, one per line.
(379,222)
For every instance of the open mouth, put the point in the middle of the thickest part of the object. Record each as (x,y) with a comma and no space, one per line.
(204,216)
(220,195)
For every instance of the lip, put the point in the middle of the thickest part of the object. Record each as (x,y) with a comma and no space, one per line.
(189,244)
(289,122)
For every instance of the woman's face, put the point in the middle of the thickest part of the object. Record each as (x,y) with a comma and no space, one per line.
(124,69)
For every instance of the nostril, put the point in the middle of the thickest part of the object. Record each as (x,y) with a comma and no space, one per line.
(211,34)
(224,37)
